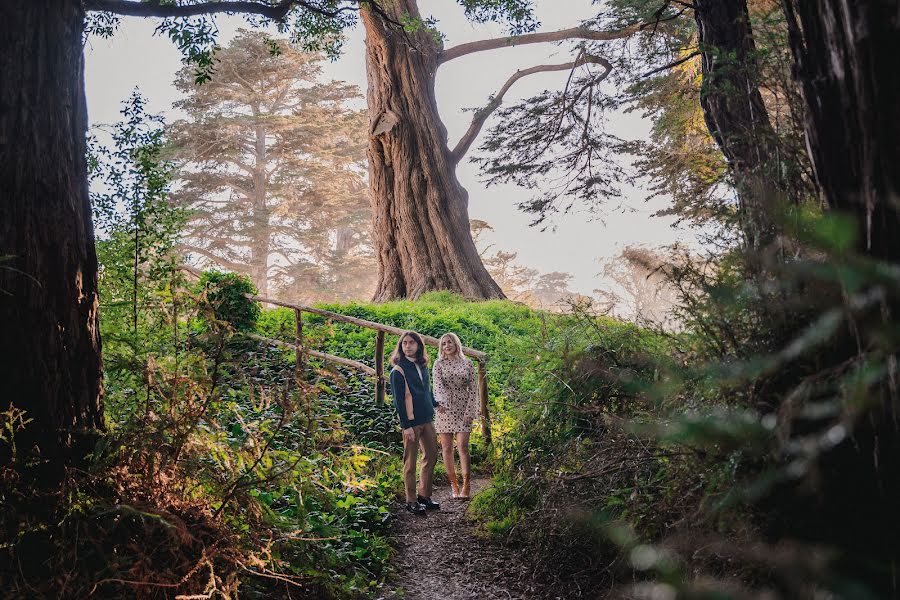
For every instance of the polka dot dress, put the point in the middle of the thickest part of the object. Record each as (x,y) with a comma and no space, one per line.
(455,390)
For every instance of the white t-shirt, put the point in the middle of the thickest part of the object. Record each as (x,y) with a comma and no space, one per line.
(421,376)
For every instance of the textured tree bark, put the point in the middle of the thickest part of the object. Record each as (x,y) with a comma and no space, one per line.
(420,210)
(259,258)
(735,113)
(50,362)
(845,57)
(259,245)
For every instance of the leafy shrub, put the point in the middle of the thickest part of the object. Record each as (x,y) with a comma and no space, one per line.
(226,294)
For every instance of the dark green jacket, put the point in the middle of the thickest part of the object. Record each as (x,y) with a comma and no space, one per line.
(419,387)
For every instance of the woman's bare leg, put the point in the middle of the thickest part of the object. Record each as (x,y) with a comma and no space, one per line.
(449,462)
(465,461)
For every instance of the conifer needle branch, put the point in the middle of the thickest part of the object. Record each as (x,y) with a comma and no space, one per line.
(671,65)
(482,115)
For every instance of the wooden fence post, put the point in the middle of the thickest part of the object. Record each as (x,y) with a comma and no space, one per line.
(483,398)
(298,372)
(298,340)
(379,367)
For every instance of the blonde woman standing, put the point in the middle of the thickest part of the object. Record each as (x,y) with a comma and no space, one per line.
(457,399)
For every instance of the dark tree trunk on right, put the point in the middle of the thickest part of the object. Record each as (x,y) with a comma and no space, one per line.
(50,351)
(846,60)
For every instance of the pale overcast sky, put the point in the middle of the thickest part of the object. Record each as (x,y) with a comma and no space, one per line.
(137,58)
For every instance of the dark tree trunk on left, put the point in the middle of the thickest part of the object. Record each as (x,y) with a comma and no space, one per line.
(50,362)
(735,113)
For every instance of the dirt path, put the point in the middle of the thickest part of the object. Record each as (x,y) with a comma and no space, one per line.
(441,557)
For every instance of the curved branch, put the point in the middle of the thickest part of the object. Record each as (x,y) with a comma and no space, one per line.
(155,8)
(465,142)
(580,33)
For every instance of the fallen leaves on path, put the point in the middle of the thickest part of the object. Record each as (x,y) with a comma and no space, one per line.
(442,557)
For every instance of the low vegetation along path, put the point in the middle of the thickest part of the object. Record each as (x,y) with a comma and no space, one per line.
(443,556)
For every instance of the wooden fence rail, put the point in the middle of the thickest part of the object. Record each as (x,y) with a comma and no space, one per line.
(316,354)
(378,372)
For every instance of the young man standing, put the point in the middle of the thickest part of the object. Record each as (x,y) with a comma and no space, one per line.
(415,406)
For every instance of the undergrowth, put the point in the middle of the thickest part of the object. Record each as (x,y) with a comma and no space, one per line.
(754,455)
(222,474)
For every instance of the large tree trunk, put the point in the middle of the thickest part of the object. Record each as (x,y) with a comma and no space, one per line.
(259,253)
(735,113)
(50,352)
(420,211)
(259,245)
(845,55)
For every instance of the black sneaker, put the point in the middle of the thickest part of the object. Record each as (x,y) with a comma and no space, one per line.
(415,508)
(428,503)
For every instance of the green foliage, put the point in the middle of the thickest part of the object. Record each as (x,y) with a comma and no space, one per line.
(585,459)
(366,422)
(525,348)
(634,452)
(100,24)
(681,159)
(12,421)
(500,511)
(360,440)
(502,329)
(137,225)
(291,478)
(316,29)
(137,230)
(414,25)
(227,294)
(621,454)
(518,14)
(196,39)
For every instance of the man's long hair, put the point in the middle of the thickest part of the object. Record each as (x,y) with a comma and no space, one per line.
(421,356)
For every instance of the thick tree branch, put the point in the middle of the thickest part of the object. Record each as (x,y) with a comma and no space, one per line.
(277,11)
(155,8)
(481,116)
(579,33)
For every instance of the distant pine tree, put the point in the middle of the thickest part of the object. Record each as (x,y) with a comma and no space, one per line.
(272,172)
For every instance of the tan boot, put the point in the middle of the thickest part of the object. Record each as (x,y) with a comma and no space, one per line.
(466,488)
(454,485)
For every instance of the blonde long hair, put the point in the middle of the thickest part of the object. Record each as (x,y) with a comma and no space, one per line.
(455,338)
